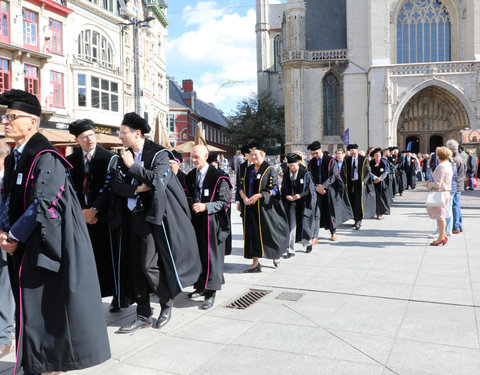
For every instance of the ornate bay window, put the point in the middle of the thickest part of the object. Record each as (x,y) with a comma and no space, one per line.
(95,47)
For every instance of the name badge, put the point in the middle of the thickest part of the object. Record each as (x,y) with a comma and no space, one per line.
(259,176)
(19,178)
(301,180)
(205,193)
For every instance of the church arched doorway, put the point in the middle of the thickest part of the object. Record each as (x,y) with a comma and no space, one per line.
(432,116)
(412,144)
(435,141)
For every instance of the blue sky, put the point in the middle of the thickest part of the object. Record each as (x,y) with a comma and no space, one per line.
(213,43)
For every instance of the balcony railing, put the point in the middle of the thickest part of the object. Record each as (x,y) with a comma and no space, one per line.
(95,62)
(304,55)
(433,68)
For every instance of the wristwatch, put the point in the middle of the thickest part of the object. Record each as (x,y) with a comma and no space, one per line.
(10,239)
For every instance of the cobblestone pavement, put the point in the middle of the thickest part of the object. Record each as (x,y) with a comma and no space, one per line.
(378,301)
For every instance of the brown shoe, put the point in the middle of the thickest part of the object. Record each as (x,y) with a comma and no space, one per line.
(334,237)
(6,349)
(456,231)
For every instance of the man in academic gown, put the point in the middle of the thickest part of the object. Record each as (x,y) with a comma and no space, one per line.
(410,170)
(92,171)
(209,196)
(391,158)
(333,207)
(60,324)
(153,208)
(380,175)
(400,175)
(356,171)
(175,160)
(298,196)
(240,172)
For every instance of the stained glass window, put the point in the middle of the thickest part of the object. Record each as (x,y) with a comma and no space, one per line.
(423,32)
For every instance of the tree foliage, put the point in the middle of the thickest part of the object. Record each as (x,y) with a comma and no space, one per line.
(258,120)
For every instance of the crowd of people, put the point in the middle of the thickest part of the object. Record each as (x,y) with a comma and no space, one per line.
(97,224)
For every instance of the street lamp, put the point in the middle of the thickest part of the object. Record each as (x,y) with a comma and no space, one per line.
(136,23)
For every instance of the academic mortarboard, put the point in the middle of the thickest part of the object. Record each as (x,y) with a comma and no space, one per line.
(314,146)
(293,157)
(352,146)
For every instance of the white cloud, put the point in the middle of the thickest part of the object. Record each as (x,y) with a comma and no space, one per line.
(221,49)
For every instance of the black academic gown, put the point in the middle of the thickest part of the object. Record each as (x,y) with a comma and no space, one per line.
(181,178)
(394,183)
(334,206)
(362,197)
(400,174)
(167,211)
(238,183)
(305,206)
(382,188)
(212,227)
(60,324)
(265,224)
(102,165)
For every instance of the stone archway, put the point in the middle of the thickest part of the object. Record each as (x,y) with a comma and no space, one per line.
(433,111)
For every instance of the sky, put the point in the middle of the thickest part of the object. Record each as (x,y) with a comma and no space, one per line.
(213,43)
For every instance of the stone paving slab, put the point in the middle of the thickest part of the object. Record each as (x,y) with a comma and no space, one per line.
(378,301)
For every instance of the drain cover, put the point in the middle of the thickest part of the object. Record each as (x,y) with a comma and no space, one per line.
(286,296)
(248,299)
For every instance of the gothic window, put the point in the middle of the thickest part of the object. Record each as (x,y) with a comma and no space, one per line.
(331,105)
(94,47)
(276,53)
(423,32)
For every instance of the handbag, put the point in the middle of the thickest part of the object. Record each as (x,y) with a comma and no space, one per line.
(435,199)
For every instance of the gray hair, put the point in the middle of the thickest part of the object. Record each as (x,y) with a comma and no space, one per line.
(452,144)
(4,148)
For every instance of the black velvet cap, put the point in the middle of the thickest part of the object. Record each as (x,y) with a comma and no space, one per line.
(314,146)
(21,100)
(79,126)
(136,122)
(378,149)
(175,155)
(352,146)
(293,157)
(245,149)
(212,157)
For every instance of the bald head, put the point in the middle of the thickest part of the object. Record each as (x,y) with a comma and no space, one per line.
(199,156)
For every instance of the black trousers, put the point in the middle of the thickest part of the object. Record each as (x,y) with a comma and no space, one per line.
(143,259)
(355,196)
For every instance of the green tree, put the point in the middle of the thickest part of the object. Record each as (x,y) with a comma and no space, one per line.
(258,120)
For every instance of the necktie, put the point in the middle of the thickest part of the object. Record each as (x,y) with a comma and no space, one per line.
(16,157)
(86,177)
(198,191)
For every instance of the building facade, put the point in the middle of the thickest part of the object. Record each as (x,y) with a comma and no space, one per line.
(390,72)
(78,57)
(186,110)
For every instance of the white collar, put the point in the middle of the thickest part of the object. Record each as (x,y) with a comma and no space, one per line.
(21,147)
(91,153)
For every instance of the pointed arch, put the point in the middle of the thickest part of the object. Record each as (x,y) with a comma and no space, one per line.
(331,104)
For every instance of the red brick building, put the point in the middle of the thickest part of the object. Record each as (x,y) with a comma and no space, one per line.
(186,111)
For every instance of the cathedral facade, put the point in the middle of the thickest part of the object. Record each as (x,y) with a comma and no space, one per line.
(386,72)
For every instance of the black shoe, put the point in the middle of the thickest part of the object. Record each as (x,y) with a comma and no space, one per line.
(164,317)
(257,268)
(138,323)
(357,226)
(208,303)
(288,255)
(309,249)
(114,305)
(196,293)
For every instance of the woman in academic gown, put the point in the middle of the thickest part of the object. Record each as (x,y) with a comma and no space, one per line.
(265,224)
(381,174)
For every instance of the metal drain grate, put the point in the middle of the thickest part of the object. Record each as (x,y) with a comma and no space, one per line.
(252,296)
(288,296)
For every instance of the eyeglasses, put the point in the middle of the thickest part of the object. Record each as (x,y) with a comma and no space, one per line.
(10,117)
(125,132)
(84,137)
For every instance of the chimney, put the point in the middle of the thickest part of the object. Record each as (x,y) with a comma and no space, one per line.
(187,85)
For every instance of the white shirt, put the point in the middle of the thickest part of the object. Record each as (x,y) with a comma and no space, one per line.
(355,168)
(202,173)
